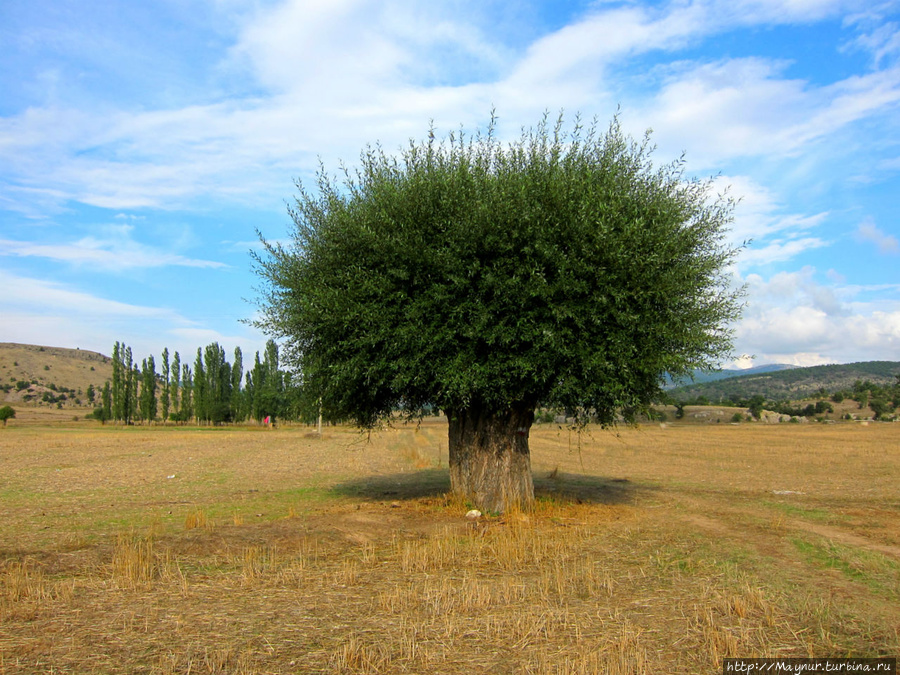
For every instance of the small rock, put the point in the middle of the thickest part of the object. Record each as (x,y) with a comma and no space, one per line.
(474,514)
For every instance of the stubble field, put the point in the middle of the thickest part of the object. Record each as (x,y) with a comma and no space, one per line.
(650,550)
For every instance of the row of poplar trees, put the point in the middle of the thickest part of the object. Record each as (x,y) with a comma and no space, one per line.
(213,391)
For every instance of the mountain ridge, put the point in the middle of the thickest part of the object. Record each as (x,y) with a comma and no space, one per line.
(790,383)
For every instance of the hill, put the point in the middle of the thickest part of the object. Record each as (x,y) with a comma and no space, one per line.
(703,377)
(31,373)
(791,384)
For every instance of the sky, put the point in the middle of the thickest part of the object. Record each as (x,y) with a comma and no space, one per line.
(143,145)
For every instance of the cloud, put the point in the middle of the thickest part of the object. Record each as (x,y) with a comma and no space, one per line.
(328,77)
(36,293)
(760,219)
(45,312)
(869,232)
(879,38)
(779,251)
(116,253)
(792,318)
(721,111)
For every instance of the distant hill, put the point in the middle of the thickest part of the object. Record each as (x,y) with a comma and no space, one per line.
(790,383)
(701,377)
(54,371)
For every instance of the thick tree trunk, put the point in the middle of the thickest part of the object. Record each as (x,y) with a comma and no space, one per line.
(490,464)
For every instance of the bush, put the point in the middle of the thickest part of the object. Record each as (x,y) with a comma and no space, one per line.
(823,407)
(6,413)
(544,416)
(881,408)
(737,417)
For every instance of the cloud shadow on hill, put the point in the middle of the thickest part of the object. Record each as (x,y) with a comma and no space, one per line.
(425,483)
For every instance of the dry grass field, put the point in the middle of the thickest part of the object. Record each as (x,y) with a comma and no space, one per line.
(651,550)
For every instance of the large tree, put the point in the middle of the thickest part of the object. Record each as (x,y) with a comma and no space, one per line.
(487,279)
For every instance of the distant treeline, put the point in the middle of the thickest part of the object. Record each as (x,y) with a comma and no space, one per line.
(213,391)
(792,384)
(881,399)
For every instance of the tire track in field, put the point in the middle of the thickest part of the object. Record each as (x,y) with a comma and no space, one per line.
(702,511)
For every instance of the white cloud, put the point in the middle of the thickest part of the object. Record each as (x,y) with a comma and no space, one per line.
(779,251)
(116,252)
(745,108)
(791,318)
(49,313)
(760,219)
(868,231)
(879,38)
(340,74)
(36,293)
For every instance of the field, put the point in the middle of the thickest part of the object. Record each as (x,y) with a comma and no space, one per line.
(651,550)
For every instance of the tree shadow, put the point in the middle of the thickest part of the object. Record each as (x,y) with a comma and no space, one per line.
(397,486)
(575,488)
(585,489)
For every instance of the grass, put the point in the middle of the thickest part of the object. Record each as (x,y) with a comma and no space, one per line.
(876,570)
(651,550)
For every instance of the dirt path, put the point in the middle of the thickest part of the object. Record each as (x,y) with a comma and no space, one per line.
(737,521)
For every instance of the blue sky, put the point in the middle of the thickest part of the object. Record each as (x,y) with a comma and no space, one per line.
(143,143)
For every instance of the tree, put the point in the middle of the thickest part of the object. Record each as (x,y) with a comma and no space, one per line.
(238,407)
(173,385)
(105,403)
(148,389)
(164,390)
(215,387)
(187,394)
(134,385)
(199,392)
(881,407)
(7,413)
(118,384)
(756,405)
(562,270)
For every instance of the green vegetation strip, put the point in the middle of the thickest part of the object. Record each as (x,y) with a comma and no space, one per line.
(880,573)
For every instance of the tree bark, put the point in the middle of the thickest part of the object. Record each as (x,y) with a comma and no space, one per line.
(490,464)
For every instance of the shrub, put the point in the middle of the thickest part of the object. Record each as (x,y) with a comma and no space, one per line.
(6,413)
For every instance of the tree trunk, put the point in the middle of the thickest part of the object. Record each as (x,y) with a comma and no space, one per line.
(490,464)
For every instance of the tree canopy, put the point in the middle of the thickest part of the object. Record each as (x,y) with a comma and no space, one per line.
(560,270)
(7,413)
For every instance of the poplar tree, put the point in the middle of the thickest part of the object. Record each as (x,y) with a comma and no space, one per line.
(187,393)
(173,385)
(134,410)
(238,413)
(199,390)
(164,393)
(118,384)
(106,402)
(148,389)
(129,390)
(216,387)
